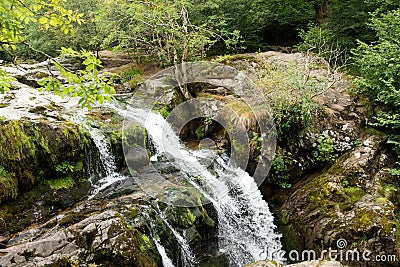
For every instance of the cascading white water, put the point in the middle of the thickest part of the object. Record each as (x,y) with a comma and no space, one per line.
(107,159)
(245,224)
(187,257)
(167,262)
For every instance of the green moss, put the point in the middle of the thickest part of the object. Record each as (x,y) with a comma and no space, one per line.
(398,234)
(374,131)
(33,150)
(164,111)
(200,132)
(134,134)
(355,193)
(325,149)
(116,136)
(187,217)
(8,185)
(389,191)
(226,59)
(132,212)
(145,243)
(365,219)
(61,183)
(64,262)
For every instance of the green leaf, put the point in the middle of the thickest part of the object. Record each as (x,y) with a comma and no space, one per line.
(43,20)
(54,21)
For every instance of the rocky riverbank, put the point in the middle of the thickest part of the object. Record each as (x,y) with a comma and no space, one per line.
(329,179)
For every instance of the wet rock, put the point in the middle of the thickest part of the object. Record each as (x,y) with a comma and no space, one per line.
(109,232)
(101,238)
(38,205)
(120,188)
(346,202)
(137,157)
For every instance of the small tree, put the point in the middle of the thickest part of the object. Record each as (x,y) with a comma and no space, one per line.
(161,31)
(320,49)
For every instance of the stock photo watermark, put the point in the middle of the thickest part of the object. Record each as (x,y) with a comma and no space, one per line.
(341,253)
(159,89)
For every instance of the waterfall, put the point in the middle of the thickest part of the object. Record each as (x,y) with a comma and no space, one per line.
(167,262)
(107,159)
(246,232)
(245,224)
(187,257)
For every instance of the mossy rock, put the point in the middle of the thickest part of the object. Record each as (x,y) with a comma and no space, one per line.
(185,218)
(33,151)
(346,200)
(8,185)
(132,134)
(39,204)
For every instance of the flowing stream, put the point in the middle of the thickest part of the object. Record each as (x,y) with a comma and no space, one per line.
(246,232)
(107,159)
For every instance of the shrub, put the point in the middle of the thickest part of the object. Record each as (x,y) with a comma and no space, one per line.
(280,169)
(200,132)
(326,151)
(379,67)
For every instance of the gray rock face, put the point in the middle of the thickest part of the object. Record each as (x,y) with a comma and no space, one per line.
(346,201)
(83,241)
(113,232)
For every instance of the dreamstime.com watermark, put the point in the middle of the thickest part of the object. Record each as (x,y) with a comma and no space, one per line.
(341,253)
(251,110)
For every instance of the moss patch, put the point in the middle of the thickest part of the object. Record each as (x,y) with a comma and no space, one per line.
(8,185)
(36,151)
(60,183)
(355,193)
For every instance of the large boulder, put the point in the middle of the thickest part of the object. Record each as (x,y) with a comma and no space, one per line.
(348,202)
(39,150)
(125,231)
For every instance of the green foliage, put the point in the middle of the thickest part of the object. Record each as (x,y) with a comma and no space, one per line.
(326,151)
(145,243)
(379,68)
(8,185)
(61,183)
(357,143)
(3,172)
(133,76)
(159,30)
(130,74)
(321,42)
(294,119)
(65,168)
(394,141)
(265,22)
(348,19)
(200,131)
(86,33)
(48,14)
(280,169)
(164,111)
(5,81)
(86,84)
(289,91)
(257,139)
